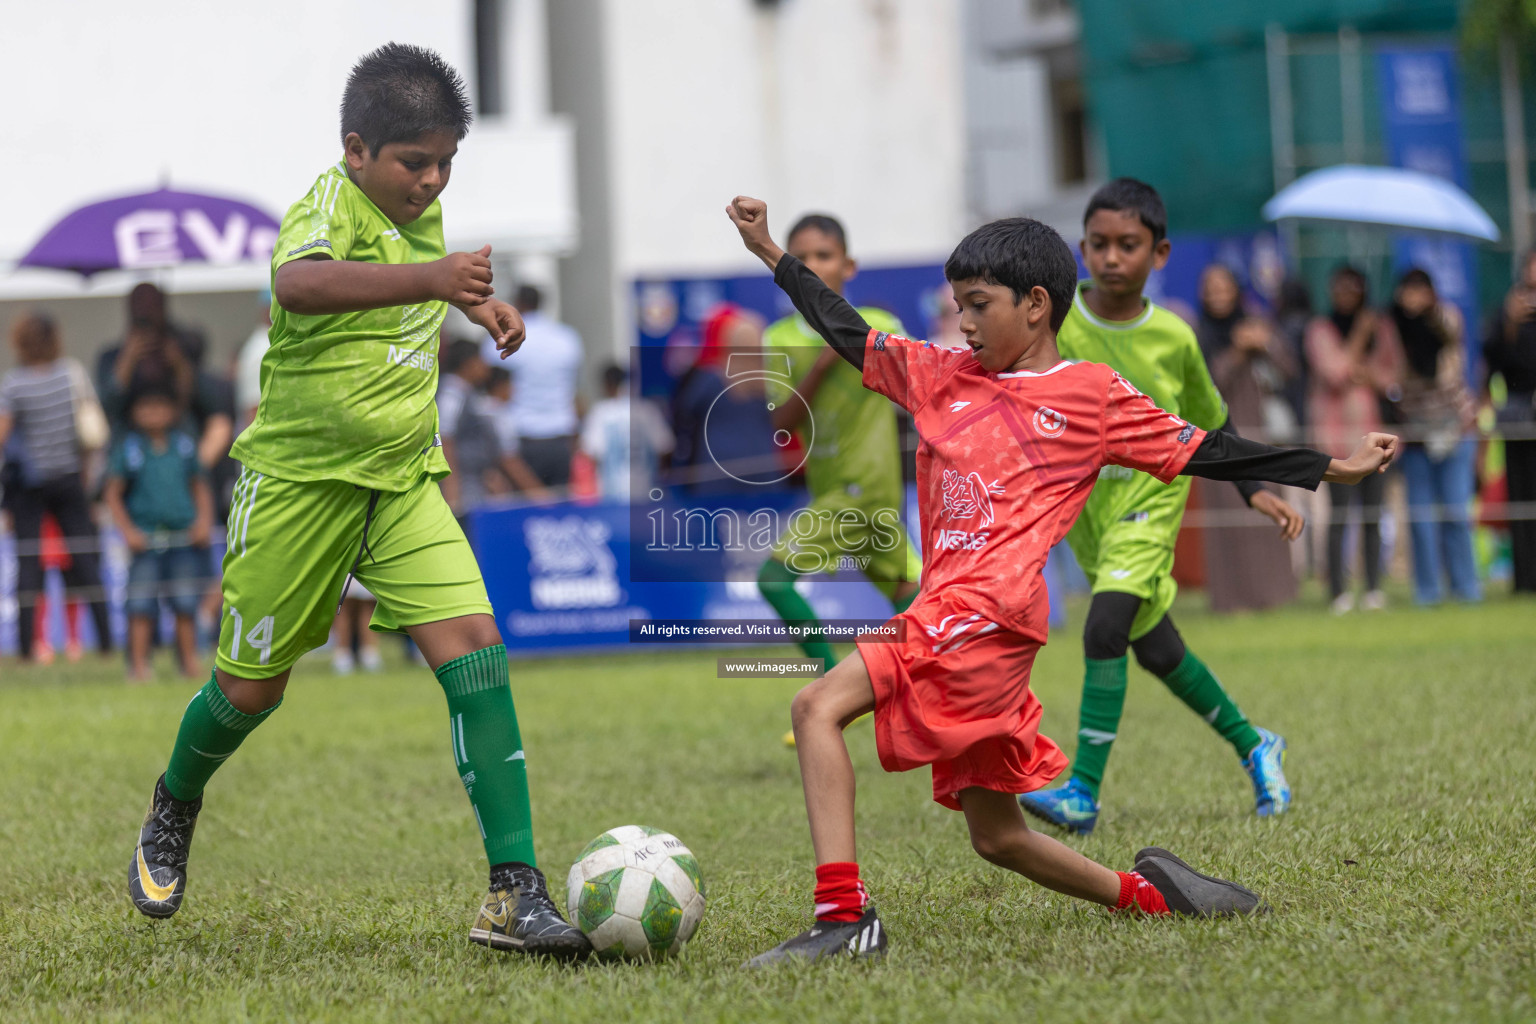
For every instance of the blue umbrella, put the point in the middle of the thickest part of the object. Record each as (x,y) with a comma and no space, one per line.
(156,229)
(1387,197)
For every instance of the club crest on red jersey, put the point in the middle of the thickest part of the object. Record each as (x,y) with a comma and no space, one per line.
(1049,422)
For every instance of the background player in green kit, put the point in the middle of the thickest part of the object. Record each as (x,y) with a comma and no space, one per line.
(853,454)
(1124,538)
(340,471)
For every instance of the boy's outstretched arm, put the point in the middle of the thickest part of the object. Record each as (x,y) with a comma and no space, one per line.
(1224,456)
(828,313)
(321,285)
(1267,502)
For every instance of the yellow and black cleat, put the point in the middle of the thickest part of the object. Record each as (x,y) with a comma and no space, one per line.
(519,916)
(157,876)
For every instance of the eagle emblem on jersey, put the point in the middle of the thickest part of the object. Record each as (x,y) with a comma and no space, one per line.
(1049,422)
(966,497)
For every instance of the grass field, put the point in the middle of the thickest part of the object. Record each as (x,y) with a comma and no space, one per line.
(336,865)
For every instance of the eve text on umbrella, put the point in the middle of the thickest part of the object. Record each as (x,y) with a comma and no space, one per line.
(148,238)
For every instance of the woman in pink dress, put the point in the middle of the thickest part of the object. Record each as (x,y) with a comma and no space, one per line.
(1352,363)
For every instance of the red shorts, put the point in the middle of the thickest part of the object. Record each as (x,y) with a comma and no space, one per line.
(955,695)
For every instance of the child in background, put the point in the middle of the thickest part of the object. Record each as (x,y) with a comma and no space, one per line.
(1125,535)
(626,440)
(160,500)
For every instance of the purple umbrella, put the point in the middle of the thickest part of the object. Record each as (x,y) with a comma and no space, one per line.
(156,229)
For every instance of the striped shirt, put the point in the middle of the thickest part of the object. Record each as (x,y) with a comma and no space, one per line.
(40,401)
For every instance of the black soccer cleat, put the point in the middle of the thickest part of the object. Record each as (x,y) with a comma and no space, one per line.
(157,877)
(857,939)
(518,915)
(1187,891)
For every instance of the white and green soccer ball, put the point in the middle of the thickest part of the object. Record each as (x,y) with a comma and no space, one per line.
(636,892)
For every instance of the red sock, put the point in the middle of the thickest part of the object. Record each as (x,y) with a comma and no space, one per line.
(1139,894)
(840,894)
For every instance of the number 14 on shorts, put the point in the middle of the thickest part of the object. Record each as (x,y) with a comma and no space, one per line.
(260,636)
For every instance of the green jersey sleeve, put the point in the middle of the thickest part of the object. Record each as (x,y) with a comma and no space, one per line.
(1203,405)
(320,224)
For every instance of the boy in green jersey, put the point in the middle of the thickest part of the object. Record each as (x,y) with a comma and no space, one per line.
(1125,536)
(853,454)
(339,479)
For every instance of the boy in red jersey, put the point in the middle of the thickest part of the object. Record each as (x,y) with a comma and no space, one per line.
(1013,440)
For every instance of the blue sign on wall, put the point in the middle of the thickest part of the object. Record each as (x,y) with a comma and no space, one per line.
(1421,121)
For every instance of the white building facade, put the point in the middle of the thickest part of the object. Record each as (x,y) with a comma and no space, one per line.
(242,100)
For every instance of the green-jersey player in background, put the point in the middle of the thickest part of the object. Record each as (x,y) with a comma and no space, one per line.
(339,479)
(853,454)
(1125,536)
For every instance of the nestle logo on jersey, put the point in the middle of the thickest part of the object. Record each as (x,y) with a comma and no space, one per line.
(415,359)
(961,540)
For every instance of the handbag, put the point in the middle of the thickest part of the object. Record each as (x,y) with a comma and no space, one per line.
(92,431)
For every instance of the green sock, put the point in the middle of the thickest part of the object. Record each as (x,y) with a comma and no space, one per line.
(1196,686)
(211,729)
(488,752)
(776,582)
(1098,719)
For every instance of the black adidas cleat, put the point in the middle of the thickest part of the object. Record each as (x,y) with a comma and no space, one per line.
(1187,891)
(157,878)
(519,915)
(858,939)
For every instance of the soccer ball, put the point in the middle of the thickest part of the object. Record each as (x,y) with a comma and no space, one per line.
(636,892)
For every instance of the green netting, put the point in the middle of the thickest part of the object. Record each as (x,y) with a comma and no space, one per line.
(1179,92)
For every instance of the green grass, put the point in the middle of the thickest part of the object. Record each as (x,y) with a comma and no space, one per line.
(336,865)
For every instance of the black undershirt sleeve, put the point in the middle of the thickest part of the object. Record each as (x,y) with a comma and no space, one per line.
(1247,488)
(1225,456)
(828,313)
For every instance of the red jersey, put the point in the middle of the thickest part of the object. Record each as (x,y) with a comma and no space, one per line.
(1007,461)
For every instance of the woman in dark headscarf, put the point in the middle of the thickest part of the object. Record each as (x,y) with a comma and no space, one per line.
(1246,565)
(1437,415)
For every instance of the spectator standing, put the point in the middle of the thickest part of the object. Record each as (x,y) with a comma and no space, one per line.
(626,439)
(1247,566)
(1510,351)
(1293,311)
(42,433)
(726,442)
(159,496)
(155,351)
(545,374)
(1350,370)
(472,444)
(1437,414)
(248,363)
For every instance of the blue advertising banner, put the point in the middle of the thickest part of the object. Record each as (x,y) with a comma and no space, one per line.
(1421,126)
(569,577)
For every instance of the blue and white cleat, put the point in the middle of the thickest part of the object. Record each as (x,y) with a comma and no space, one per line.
(1265,765)
(1070,806)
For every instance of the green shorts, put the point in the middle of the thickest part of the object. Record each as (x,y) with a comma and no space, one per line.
(1123,559)
(837,531)
(292,545)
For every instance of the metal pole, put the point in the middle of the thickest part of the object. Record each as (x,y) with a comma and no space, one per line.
(1282,127)
(1352,120)
(1516,163)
